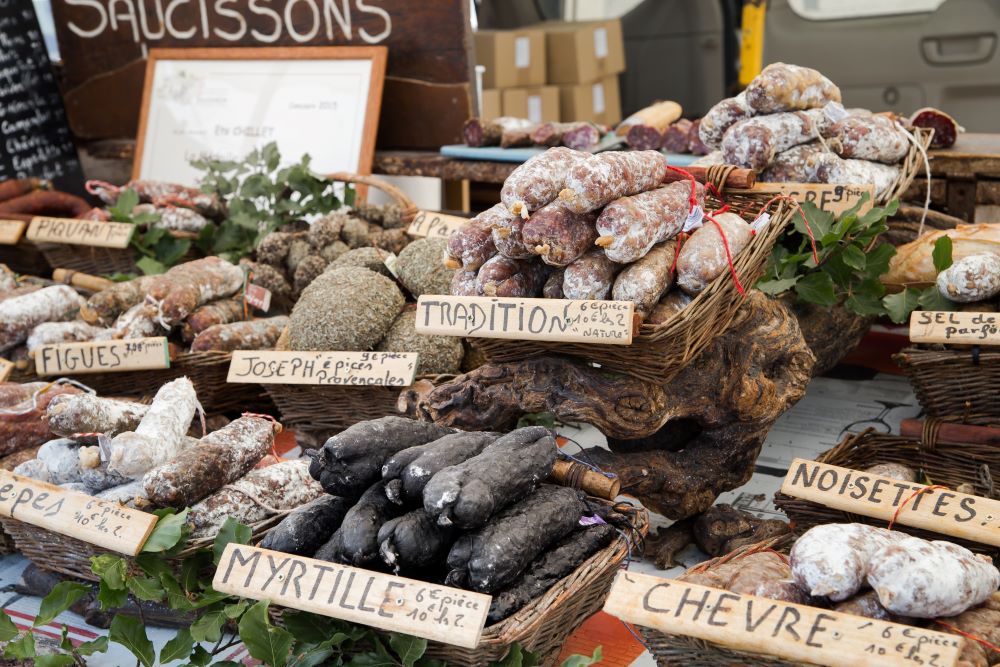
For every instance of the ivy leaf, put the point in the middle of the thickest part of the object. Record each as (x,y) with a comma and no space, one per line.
(22,648)
(167,533)
(899,306)
(54,660)
(408,648)
(208,627)
(60,598)
(99,645)
(131,633)
(942,253)
(577,660)
(778,286)
(932,299)
(7,628)
(146,588)
(231,531)
(817,288)
(263,640)
(178,648)
(854,257)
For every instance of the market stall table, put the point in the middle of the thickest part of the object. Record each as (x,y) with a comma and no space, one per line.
(965,178)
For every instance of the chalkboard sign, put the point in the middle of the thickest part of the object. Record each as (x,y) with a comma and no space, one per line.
(34,133)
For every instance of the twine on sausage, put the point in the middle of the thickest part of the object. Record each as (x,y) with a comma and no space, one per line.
(805,221)
(41,390)
(927,170)
(96,187)
(273,511)
(969,635)
(895,515)
(693,199)
(729,256)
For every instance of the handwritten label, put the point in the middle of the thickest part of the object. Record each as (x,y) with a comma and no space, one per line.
(387,369)
(931,326)
(608,322)
(106,356)
(783,629)
(6,368)
(428,223)
(10,231)
(81,232)
(829,197)
(940,510)
(105,524)
(434,612)
(258,297)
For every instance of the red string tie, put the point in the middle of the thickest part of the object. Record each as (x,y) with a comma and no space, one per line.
(729,255)
(913,495)
(969,635)
(95,187)
(277,456)
(798,207)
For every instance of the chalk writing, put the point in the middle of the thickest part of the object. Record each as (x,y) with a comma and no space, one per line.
(927,326)
(387,369)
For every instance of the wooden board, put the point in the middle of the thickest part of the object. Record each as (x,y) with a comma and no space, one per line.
(434,612)
(11,231)
(929,326)
(438,225)
(6,368)
(105,524)
(826,196)
(110,356)
(940,510)
(35,140)
(773,627)
(81,232)
(386,369)
(428,92)
(606,322)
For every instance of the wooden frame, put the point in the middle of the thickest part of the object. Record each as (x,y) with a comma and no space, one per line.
(378,56)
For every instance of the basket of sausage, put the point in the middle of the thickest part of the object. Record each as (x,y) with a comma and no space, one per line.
(593,227)
(469,510)
(955,385)
(150,461)
(967,467)
(879,575)
(790,127)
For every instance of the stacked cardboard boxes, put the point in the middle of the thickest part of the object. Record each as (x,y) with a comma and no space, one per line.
(553,71)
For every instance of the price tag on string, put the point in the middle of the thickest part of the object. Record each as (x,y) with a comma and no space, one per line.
(258,297)
(760,222)
(694,219)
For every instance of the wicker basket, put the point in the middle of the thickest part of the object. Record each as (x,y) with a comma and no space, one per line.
(408,210)
(25,258)
(938,463)
(912,165)
(69,556)
(103,261)
(955,385)
(660,351)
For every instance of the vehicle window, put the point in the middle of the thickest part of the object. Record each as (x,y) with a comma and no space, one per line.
(828,10)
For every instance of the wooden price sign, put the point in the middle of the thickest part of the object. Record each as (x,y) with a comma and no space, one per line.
(940,510)
(438,225)
(6,368)
(929,326)
(106,356)
(607,322)
(773,627)
(106,524)
(10,231)
(828,197)
(387,369)
(434,612)
(81,232)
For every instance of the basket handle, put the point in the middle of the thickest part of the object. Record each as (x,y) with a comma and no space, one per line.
(409,209)
(717,174)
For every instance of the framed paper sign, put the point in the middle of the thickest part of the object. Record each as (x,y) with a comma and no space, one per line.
(223,103)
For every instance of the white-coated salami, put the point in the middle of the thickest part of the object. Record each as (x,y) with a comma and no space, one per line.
(70,414)
(972,278)
(630,226)
(600,179)
(831,560)
(539,180)
(159,436)
(784,87)
(472,246)
(833,169)
(795,165)
(753,143)
(591,277)
(704,257)
(924,579)
(871,137)
(50,333)
(20,314)
(721,117)
(645,281)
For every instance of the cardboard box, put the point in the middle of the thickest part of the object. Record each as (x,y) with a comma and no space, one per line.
(539,105)
(491,105)
(511,57)
(598,102)
(583,52)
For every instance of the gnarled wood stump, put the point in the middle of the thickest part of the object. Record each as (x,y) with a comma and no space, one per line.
(675,447)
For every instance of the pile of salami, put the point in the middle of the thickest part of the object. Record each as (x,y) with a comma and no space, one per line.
(600,226)
(468,509)
(145,456)
(789,125)
(510,132)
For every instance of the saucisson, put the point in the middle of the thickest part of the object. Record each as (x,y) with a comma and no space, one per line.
(599,179)
(630,226)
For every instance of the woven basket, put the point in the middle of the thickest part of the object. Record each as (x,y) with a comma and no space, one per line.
(25,258)
(660,351)
(955,385)
(686,651)
(103,261)
(937,462)
(912,165)
(69,556)
(408,210)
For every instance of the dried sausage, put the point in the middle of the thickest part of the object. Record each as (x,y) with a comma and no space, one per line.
(703,257)
(590,277)
(753,143)
(630,226)
(721,117)
(783,87)
(645,281)
(599,179)
(558,235)
(539,180)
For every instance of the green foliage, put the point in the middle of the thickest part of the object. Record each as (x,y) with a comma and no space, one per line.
(60,598)
(899,306)
(21,647)
(157,249)
(231,531)
(131,633)
(849,263)
(169,531)
(260,198)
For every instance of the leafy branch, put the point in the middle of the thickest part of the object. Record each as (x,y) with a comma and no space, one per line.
(157,248)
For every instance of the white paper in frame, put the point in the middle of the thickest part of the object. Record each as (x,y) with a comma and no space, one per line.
(222,103)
